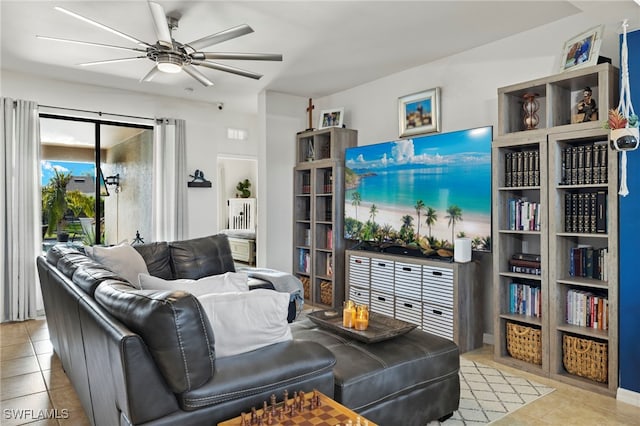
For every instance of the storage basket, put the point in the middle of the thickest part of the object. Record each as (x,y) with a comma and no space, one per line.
(524,343)
(326,293)
(306,287)
(585,358)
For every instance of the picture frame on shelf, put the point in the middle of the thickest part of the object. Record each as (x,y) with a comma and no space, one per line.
(331,118)
(582,50)
(419,113)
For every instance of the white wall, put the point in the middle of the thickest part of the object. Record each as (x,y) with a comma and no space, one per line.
(206,129)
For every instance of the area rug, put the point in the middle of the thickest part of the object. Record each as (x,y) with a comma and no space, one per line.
(487,394)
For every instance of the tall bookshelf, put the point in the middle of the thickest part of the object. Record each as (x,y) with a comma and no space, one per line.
(318,229)
(553,285)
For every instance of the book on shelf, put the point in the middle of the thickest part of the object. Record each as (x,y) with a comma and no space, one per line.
(525,299)
(329,238)
(306,183)
(524,215)
(522,168)
(587,309)
(584,164)
(585,212)
(304,260)
(533,257)
(589,262)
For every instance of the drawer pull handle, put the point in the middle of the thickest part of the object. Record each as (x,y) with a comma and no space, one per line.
(382,264)
(438,273)
(382,299)
(437,312)
(406,268)
(408,305)
(357,261)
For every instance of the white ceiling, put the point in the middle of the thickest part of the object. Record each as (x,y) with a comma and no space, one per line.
(327,46)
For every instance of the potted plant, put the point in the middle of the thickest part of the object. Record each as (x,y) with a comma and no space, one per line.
(54,204)
(243,189)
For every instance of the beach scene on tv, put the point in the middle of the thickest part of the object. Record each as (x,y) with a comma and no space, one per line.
(422,192)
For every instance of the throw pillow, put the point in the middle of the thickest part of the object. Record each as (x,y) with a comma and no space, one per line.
(244,322)
(231,282)
(124,260)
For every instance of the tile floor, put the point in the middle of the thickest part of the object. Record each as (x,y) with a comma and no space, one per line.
(32,384)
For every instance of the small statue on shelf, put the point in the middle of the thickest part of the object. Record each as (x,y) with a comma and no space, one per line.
(587,109)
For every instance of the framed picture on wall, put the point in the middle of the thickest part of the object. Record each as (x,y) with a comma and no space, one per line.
(582,50)
(331,118)
(419,113)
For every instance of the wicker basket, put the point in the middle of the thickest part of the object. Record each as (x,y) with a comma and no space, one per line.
(306,287)
(326,293)
(524,343)
(585,358)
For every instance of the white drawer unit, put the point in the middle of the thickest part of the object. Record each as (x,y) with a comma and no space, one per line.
(408,280)
(409,310)
(359,271)
(382,274)
(438,320)
(359,295)
(442,298)
(438,286)
(243,250)
(382,303)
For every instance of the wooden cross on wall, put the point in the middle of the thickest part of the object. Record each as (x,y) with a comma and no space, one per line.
(309,110)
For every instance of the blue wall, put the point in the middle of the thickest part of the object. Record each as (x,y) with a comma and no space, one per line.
(630,244)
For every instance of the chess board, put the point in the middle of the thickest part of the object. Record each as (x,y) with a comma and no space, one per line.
(328,413)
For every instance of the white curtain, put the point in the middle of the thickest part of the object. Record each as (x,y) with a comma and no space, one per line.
(170,177)
(20,224)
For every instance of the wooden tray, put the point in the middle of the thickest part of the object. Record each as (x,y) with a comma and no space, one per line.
(381,327)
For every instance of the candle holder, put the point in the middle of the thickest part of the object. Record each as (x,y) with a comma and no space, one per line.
(349,314)
(531,107)
(362,318)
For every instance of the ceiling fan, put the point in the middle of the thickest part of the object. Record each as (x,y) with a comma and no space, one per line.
(171,56)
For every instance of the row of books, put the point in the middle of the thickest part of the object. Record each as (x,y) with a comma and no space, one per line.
(585,212)
(584,164)
(304,261)
(306,183)
(524,215)
(327,183)
(587,309)
(525,299)
(526,263)
(588,262)
(522,168)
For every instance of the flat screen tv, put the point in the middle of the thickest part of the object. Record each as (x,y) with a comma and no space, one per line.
(422,192)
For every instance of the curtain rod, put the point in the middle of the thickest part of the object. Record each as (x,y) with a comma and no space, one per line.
(100,113)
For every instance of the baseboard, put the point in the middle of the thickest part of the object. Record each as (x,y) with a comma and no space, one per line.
(630,397)
(487,339)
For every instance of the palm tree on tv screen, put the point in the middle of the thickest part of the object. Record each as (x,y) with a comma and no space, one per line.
(373,211)
(419,207)
(454,214)
(356,199)
(432,218)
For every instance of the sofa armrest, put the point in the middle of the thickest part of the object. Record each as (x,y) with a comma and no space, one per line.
(172,324)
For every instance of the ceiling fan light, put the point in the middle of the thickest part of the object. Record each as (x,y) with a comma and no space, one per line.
(169,63)
(169,67)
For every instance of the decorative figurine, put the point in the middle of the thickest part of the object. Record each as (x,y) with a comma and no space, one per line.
(587,109)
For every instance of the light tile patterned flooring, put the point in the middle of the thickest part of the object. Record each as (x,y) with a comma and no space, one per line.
(32,383)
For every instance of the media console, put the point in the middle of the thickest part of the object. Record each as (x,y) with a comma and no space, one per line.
(440,297)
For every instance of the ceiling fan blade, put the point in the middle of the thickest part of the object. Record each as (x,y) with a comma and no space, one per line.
(150,74)
(190,69)
(111,61)
(89,43)
(242,56)
(225,35)
(102,26)
(227,68)
(160,24)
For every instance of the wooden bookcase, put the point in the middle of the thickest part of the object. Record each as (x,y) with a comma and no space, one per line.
(553,139)
(318,227)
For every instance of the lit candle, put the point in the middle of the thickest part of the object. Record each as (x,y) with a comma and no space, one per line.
(348,314)
(362,318)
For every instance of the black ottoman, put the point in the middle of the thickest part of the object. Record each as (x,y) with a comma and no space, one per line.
(407,380)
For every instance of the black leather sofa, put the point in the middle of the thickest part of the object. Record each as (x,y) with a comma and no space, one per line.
(147,357)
